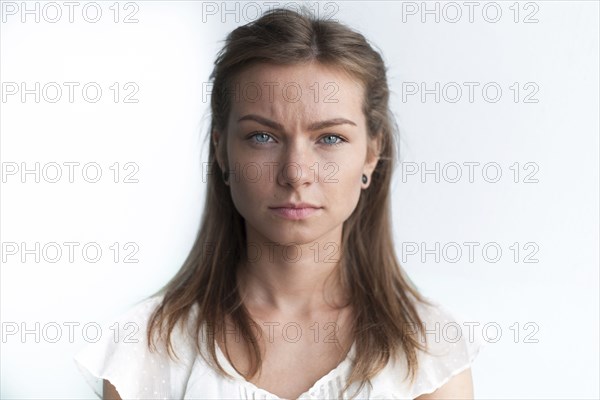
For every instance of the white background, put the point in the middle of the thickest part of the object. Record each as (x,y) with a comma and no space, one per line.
(169,53)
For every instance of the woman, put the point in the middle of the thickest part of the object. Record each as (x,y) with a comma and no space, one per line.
(292,288)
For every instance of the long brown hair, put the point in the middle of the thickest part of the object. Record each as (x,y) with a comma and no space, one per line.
(382,297)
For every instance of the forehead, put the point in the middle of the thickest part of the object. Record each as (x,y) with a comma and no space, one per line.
(310,91)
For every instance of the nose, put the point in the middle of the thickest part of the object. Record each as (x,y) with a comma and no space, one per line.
(298,167)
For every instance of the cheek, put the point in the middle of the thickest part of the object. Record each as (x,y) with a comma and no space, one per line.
(243,185)
(344,194)
(247,195)
(251,187)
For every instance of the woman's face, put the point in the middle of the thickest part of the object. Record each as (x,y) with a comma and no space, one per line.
(296,134)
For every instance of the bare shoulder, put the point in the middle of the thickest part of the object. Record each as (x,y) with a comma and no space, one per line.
(459,386)
(109,392)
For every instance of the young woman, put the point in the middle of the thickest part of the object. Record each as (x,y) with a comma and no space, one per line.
(292,288)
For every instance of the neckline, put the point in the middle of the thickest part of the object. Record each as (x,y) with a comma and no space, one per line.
(331,375)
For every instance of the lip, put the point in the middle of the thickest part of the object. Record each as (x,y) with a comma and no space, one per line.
(296,205)
(294,213)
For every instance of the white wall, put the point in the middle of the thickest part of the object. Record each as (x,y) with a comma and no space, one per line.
(168,54)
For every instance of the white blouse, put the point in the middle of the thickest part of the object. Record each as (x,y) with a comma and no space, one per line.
(122,357)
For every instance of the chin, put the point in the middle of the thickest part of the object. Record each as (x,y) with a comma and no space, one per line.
(292,238)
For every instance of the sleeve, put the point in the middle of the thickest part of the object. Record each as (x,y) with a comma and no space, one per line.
(122,356)
(453,344)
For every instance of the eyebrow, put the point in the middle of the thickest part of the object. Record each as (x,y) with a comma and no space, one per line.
(312,127)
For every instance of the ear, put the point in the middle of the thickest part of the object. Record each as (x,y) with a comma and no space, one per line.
(373,153)
(215,137)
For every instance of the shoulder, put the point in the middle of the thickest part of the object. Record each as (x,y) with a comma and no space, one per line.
(444,368)
(459,386)
(123,357)
(453,342)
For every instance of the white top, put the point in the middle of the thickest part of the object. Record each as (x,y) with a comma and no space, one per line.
(122,357)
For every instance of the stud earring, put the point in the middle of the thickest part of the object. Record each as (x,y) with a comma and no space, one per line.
(364,179)
(226,177)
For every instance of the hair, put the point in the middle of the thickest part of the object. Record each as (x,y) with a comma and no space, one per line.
(381,295)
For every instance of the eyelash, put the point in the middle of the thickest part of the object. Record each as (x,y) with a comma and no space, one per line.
(340,142)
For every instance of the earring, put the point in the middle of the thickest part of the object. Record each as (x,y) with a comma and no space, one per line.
(226,176)
(364,178)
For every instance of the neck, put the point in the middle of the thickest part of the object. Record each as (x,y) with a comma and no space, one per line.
(296,279)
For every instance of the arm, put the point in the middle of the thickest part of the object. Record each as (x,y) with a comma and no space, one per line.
(109,392)
(458,387)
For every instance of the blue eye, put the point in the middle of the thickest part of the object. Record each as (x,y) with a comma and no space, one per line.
(266,137)
(336,143)
(263,135)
